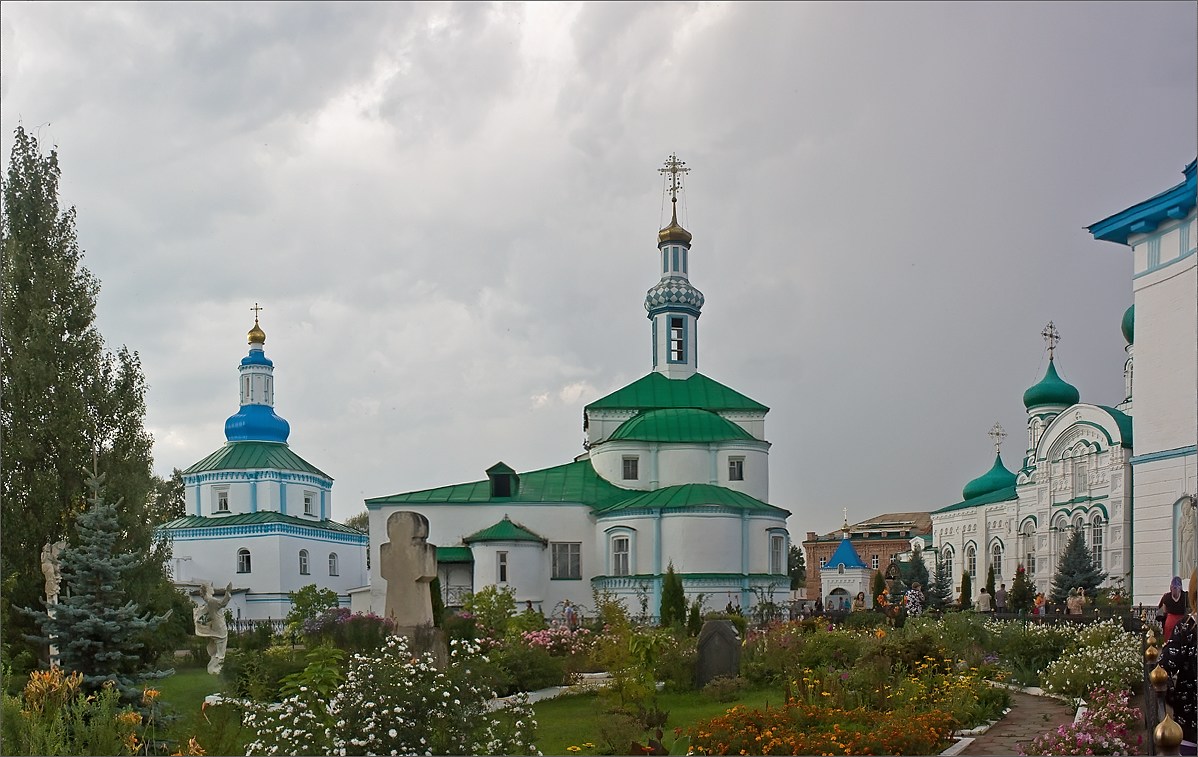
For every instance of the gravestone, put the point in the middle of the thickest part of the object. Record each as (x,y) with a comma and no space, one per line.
(409,564)
(718,652)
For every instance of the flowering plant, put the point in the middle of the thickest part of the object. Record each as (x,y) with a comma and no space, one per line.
(560,641)
(1108,726)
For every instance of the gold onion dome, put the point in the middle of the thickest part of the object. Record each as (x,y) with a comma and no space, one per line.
(256,334)
(674,232)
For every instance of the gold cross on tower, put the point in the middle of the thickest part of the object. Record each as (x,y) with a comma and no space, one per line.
(1051,337)
(256,310)
(997,434)
(674,167)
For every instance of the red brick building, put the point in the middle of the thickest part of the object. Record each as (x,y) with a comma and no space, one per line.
(878,541)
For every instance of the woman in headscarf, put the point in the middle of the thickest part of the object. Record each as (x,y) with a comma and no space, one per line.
(1179,657)
(1173,605)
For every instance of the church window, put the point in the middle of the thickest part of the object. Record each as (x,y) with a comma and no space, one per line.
(501,567)
(1154,252)
(333,564)
(996,559)
(309,503)
(677,339)
(823,563)
(620,565)
(1081,484)
(243,560)
(567,559)
(1096,541)
(303,562)
(777,550)
(684,260)
(631,468)
(675,251)
(875,561)
(971,560)
(946,558)
(736,469)
(222,500)
(665,260)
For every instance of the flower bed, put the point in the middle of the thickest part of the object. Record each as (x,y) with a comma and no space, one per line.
(1109,725)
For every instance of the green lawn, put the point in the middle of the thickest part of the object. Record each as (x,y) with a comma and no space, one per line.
(218,728)
(574,719)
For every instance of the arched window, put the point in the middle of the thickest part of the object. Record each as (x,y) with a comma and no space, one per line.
(996,559)
(620,556)
(971,560)
(1029,548)
(946,559)
(303,559)
(1096,541)
(243,560)
(333,564)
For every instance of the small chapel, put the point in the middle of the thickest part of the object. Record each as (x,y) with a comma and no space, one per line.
(674,472)
(258,514)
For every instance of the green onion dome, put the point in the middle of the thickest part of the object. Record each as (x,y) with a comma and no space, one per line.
(1128,326)
(1051,390)
(991,481)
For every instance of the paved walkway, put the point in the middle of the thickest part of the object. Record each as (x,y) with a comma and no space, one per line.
(1030,716)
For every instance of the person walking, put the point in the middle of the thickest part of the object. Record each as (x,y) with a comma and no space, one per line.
(1000,598)
(983,603)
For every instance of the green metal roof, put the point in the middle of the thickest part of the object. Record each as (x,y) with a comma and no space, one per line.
(454,555)
(683,424)
(998,477)
(1051,390)
(504,530)
(655,391)
(1123,421)
(258,518)
(254,456)
(692,495)
(1001,495)
(572,482)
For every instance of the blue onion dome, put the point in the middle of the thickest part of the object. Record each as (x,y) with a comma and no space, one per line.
(1128,326)
(1051,390)
(672,292)
(256,423)
(989,482)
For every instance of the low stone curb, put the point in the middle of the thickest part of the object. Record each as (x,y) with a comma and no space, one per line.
(586,682)
(967,736)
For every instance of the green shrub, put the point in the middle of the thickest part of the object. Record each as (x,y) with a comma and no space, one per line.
(260,637)
(492,608)
(863,620)
(458,626)
(724,688)
(258,675)
(526,668)
(676,659)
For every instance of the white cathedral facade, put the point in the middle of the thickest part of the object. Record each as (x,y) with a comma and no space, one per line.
(258,513)
(1123,475)
(675,471)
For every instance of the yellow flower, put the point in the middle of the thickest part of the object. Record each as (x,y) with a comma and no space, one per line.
(587,745)
(149,695)
(573,749)
(130,718)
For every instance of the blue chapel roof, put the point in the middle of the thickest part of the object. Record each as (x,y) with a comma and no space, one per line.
(845,555)
(256,423)
(1144,217)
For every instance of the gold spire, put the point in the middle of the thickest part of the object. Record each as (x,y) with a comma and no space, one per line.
(256,334)
(674,232)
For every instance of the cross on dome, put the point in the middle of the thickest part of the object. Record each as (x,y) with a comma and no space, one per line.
(257,309)
(997,434)
(1051,337)
(674,167)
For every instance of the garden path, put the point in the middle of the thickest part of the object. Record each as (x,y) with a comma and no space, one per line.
(1030,716)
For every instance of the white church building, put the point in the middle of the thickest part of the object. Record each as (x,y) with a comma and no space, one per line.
(675,471)
(1122,475)
(258,513)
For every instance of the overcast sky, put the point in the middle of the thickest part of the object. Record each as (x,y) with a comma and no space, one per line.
(449,214)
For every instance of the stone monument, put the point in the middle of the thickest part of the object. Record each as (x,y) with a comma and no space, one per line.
(718,652)
(409,564)
(53,575)
(210,624)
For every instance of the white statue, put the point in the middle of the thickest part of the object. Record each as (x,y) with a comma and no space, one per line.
(210,624)
(51,570)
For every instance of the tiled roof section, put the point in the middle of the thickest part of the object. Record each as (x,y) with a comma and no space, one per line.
(844,555)
(1002,495)
(679,425)
(655,391)
(454,555)
(258,518)
(504,530)
(904,525)
(255,456)
(572,482)
(692,495)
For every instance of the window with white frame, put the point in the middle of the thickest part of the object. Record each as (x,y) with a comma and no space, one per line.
(620,556)
(501,567)
(736,469)
(333,570)
(309,503)
(243,560)
(677,339)
(1081,482)
(996,559)
(875,561)
(222,500)
(946,557)
(567,559)
(823,563)
(303,562)
(632,466)
(1096,541)
(971,560)
(777,554)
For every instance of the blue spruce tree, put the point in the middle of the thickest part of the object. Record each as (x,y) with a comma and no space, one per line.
(98,629)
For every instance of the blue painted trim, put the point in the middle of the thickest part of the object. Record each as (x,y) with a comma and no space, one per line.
(261,474)
(1180,198)
(654,322)
(197,496)
(657,543)
(262,529)
(1167,454)
(744,543)
(1166,264)
(674,259)
(1154,253)
(283,497)
(684,251)
(665,261)
(323,506)
(253,496)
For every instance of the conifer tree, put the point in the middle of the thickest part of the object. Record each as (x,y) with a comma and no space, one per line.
(1076,569)
(64,397)
(940,594)
(673,598)
(914,570)
(1023,594)
(98,628)
(966,591)
(877,586)
(990,582)
(797,568)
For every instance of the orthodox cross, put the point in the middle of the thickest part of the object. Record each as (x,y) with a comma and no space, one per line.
(1051,337)
(256,310)
(997,434)
(674,167)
